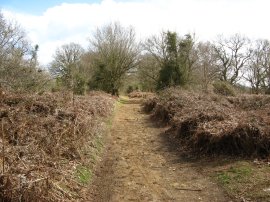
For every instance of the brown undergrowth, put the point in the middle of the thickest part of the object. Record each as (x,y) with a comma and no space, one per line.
(49,143)
(139,94)
(208,124)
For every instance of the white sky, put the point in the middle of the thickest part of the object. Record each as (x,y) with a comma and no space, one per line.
(207,18)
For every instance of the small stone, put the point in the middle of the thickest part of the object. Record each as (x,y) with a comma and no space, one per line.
(175,185)
(267,189)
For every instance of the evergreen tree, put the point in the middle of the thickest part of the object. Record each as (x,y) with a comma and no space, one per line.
(177,64)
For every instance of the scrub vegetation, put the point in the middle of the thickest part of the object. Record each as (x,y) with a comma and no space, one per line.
(205,104)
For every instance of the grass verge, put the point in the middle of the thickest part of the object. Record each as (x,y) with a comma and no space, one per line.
(84,172)
(245,180)
(84,175)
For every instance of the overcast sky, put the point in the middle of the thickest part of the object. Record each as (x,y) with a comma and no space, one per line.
(51,23)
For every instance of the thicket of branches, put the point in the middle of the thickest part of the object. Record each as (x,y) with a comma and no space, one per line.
(114,56)
(165,60)
(19,68)
(235,60)
(113,53)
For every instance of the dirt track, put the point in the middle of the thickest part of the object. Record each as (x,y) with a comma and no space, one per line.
(138,166)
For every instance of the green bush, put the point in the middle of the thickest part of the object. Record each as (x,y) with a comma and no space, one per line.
(267,91)
(130,89)
(223,88)
(79,85)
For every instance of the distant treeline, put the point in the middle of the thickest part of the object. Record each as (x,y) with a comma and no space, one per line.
(116,60)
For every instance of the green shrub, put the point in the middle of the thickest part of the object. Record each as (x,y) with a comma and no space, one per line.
(223,88)
(130,89)
(267,91)
(79,85)
(84,175)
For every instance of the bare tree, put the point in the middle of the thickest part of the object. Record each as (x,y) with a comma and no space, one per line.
(157,47)
(258,66)
(18,60)
(233,54)
(116,53)
(13,47)
(148,72)
(87,64)
(66,63)
(206,64)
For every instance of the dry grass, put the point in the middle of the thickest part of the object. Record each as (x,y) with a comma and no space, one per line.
(211,124)
(45,140)
(228,132)
(139,94)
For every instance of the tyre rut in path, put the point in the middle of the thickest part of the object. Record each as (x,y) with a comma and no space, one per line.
(138,167)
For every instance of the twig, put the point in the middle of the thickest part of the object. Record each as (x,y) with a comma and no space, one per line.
(3,148)
(73,104)
(187,189)
(5,82)
(62,190)
(22,183)
(26,185)
(37,180)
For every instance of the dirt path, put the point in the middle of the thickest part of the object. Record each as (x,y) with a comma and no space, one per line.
(138,167)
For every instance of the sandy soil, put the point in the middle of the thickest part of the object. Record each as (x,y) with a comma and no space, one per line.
(138,165)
